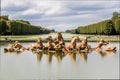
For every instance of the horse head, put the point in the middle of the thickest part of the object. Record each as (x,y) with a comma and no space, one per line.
(49,39)
(39,40)
(75,38)
(73,41)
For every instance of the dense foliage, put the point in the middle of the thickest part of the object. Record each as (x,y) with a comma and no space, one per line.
(109,28)
(19,27)
(106,27)
(117,25)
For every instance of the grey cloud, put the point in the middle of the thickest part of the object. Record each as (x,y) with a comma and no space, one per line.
(14,8)
(74,13)
(31,16)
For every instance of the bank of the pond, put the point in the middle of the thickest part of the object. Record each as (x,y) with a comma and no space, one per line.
(66,36)
(66,40)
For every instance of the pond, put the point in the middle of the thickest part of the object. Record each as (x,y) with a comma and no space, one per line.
(65,35)
(52,66)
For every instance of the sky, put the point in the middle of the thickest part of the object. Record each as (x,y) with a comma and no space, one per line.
(60,15)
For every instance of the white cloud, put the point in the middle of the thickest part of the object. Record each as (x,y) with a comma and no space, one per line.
(30,12)
(60,27)
(7,3)
(53,10)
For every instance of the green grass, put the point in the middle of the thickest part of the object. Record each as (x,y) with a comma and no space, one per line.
(34,37)
(107,39)
(66,39)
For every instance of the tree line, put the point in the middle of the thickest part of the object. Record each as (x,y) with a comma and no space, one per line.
(20,27)
(106,27)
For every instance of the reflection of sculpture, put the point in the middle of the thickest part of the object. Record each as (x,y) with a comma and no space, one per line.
(16,52)
(49,56)
(83,55)
(73,56)
(106,53)
(59,55)
(39,56)
(101,53)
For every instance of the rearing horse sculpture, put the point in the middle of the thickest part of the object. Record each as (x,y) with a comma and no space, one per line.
(72,44)
(100,44)
(59,39)
(15,46)
(49,45)
(59,42)
(83,45)
(38,45)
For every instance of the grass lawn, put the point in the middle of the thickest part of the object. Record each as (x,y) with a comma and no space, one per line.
(66,39)
(34,37)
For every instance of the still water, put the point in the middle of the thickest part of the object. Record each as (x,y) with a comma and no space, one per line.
(52,66)
(65,35)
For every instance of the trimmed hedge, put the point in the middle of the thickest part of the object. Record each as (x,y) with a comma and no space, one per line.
(112,27)
(97,28)
(19,27)
(117,25)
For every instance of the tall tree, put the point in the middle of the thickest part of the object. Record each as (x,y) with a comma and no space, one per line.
(115,15)
(3,27)
(109,28)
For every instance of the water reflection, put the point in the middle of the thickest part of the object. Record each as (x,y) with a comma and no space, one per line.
(49,56)
(100,53)
(106,53)
(39,56)
(47,65)
(15,52)
(83,55)
(59,55)
(73,56)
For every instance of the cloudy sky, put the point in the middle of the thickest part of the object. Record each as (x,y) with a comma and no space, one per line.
(60,14)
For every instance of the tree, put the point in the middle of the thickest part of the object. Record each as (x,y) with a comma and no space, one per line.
(77,31)
(3,27)
(23,21)
(5,17)
(115,15)
(109,28)
(52,30)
